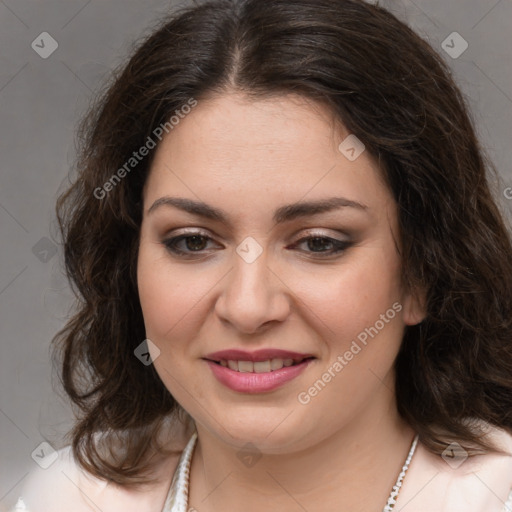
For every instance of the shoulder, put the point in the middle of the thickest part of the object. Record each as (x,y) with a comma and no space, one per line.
(65,486)
(58,486)
(455,482)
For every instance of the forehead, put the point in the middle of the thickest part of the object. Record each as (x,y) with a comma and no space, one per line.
(260,151)
(276,126)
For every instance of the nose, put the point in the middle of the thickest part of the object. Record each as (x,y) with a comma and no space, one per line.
(253,296)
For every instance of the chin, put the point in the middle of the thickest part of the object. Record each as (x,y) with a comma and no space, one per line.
(264,436)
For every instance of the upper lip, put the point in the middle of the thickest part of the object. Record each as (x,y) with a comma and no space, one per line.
(257,355)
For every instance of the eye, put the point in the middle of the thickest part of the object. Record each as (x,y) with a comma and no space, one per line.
(322,245)
(187,244)
(196,244)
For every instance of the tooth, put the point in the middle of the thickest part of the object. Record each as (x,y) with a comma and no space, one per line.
(276,364)
(245,366)
(262,366)
(233,365)
(258,367)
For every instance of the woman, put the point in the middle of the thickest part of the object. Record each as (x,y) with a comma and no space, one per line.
(296,287)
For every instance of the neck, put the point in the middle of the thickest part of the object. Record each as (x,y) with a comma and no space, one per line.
(353,468)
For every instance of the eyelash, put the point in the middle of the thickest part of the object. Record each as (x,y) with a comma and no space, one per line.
(339,246)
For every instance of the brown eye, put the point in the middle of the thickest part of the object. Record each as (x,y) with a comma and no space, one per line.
(195,243)
(187,244)
(322,245)
(317,244)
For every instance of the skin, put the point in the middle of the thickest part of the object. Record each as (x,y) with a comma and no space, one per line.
(347,445)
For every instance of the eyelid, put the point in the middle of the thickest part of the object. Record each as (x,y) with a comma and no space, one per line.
(190,231)
(339,246)
(317,232)
(297,237)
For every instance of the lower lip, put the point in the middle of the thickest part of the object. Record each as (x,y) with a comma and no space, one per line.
(245,382)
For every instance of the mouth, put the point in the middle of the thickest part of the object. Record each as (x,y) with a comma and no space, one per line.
(265,366)
(263,376)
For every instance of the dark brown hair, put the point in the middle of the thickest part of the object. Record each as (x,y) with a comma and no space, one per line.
(389,88)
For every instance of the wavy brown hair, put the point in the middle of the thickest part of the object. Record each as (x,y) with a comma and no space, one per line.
(388,87)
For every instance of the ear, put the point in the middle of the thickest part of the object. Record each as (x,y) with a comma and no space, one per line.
(414,307)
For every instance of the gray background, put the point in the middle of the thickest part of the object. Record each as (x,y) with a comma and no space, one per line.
(41,101)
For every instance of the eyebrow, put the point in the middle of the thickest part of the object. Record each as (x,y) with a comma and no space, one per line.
(284,213)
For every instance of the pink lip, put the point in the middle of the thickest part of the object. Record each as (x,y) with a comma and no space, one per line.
(256,382)
(257,355)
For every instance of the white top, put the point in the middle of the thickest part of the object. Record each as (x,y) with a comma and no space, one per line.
(177,498)
(482,483)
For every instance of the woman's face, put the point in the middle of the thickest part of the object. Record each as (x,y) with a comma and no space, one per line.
(258,265)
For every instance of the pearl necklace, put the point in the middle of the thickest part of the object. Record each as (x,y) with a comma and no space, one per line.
(390,505)
(177,498)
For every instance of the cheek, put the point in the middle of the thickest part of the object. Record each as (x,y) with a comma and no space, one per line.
(357,311)
(173,299)
(351,296)
(164,298)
